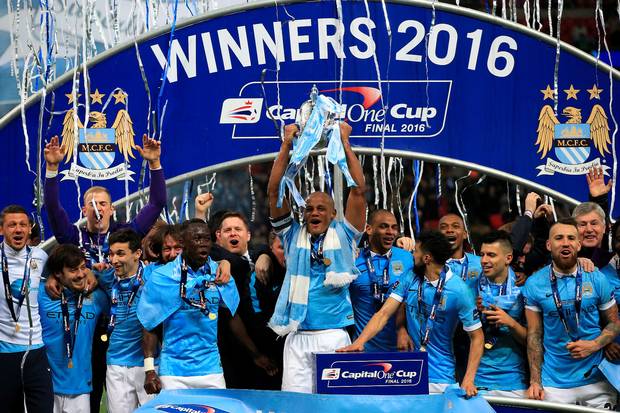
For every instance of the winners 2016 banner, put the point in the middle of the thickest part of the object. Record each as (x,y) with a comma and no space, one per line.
(471,88)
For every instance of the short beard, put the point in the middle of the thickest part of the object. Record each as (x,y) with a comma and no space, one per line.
(563,265)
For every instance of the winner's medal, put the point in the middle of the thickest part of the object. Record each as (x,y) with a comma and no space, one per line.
(17,328)
(104,337)
(212,316)
(327,262)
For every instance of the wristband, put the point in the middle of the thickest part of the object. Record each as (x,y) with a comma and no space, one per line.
(51,174)
(149,364)
(529,213)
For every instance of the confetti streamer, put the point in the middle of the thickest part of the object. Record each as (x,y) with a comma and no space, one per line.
(518,199)
(556,70)
(612,204)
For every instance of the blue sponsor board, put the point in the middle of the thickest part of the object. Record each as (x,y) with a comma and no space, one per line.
(417,108)
(371,373)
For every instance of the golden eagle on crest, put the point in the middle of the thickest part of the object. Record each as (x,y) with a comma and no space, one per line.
(599,127)
(123,132)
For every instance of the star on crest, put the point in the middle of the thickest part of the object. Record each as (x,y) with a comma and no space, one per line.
(548,93)
(70,96)
(119,96)
(571,93)
(96,97)
(595,92)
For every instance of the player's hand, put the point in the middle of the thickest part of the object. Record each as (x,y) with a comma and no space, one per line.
(405,243)
(150,151)
(222,274)
(530,201)
(470,388)
(582,348)
(596,182)
(202,204)
(53,154)
(586,264)
(53,287)
(536,392)
(266,364)
(612,351)
(101,266)
(262,268)
(404,341)
(290,132)
(479,305)
(499,317)
(152,384)
(351,348)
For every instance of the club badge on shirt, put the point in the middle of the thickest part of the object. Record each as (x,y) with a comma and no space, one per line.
(397,267)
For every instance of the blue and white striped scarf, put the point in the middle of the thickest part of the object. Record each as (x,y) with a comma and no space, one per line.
(292,304)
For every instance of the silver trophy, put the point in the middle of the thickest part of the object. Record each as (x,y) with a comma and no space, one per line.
(304,112)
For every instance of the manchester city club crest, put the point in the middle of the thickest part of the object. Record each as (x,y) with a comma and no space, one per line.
(97,144)
(572,141)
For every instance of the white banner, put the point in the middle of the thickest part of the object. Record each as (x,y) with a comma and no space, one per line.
(552,166)
(119,172)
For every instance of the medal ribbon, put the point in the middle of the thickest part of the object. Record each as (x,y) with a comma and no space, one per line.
(464,268)
(380,285)
(115,296)
(491,331)
(202,284)
(70,337)
(558,300)
(316,250)
(430,321)
(7,283)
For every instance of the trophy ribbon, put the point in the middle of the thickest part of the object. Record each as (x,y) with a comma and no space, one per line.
(313,131)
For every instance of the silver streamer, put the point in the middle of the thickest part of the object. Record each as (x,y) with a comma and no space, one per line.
(555,215)
(252,194)
(380,87)
(321,171)
(556,69)
(175,212)
(526,12)
(418,179)
(611,112)
(389,174)
(399,183)
(374,181)
(518,199)
(549,21)
(508,197)
(340,48)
